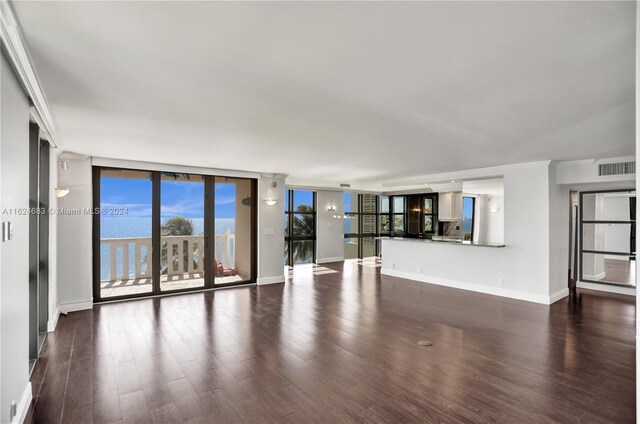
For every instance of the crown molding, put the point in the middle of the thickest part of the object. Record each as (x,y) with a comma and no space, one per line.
(16,50)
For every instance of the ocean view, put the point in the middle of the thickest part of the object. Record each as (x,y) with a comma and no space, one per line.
(128,227)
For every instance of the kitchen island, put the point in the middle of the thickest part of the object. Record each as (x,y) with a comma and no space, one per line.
(480,267)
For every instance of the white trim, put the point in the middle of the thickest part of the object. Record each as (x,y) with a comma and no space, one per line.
(76,306)
(169,167)
(606,288)
(51,324)
(561,294)
(23,405)
(263,281)
(11,37)
(329,260)
(599,276)
(496,291)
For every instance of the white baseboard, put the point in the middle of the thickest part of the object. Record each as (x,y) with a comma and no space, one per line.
(606,288)
(596,277)
(51,324)
(263,281)
(329,260)
(561,294)
(479,288)
(23,405)
(76,306)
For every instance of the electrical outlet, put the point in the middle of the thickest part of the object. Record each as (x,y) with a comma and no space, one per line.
(393,266)
(419,270)
(499,282)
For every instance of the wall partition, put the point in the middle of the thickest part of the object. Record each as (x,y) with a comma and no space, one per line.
(165,232)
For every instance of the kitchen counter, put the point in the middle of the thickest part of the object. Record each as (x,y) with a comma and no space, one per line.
(423,240)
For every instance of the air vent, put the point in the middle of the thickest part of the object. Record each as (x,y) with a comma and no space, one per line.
(619,168)
(345,185)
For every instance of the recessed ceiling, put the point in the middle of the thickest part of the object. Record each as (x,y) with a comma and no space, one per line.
(357,92)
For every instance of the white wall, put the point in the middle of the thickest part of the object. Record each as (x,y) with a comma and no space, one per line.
(330,230)
(528,268)
(271,230)
(14,254)
(559,218)
(75,274)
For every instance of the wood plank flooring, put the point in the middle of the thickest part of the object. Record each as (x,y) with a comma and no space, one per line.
(341,348)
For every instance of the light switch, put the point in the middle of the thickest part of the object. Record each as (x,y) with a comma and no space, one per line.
(268,231)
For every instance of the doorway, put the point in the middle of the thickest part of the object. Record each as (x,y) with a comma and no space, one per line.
(38,241)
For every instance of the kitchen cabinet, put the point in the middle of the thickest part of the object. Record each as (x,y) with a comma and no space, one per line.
(450,206)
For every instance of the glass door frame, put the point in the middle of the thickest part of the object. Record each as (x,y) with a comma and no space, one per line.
(209,236)
(582,250)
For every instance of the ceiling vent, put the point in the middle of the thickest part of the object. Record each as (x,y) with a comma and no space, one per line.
(345,185)
(619,168)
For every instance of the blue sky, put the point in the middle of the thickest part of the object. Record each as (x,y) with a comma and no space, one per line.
(178,198)
(467,213)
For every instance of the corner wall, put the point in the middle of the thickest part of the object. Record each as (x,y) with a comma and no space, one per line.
(329,230)
(75,291)
(271,230)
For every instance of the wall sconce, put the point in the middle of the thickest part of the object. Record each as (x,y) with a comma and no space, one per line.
(63,164)
(61,192)
(331,208)
(494,209)
(270,199)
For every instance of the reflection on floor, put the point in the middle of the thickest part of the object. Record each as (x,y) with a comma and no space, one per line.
(372,262)
(620,271)
(341,348)
(167,283)
(307,269)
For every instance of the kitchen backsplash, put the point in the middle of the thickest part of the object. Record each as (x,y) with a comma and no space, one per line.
(452,228)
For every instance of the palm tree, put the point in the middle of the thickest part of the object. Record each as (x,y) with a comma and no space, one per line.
(176,226)
(303,225)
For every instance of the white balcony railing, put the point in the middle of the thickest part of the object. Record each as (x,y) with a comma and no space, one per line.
(137,251)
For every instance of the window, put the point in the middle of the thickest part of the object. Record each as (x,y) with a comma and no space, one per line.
(607,237)
(384,216)
(300,227)
(398,215)
(163,231)
(360,225)
(468,217)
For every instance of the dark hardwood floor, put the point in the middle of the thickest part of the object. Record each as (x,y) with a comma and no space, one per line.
(341,347)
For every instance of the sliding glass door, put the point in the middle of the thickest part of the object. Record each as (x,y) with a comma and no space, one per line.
(125,226)
(157,232)
(182,255)
(608,237)
(234,230)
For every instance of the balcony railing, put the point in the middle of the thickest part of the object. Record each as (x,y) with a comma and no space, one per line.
(176,252)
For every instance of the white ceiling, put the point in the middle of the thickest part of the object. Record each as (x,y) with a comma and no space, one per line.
(331,92)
